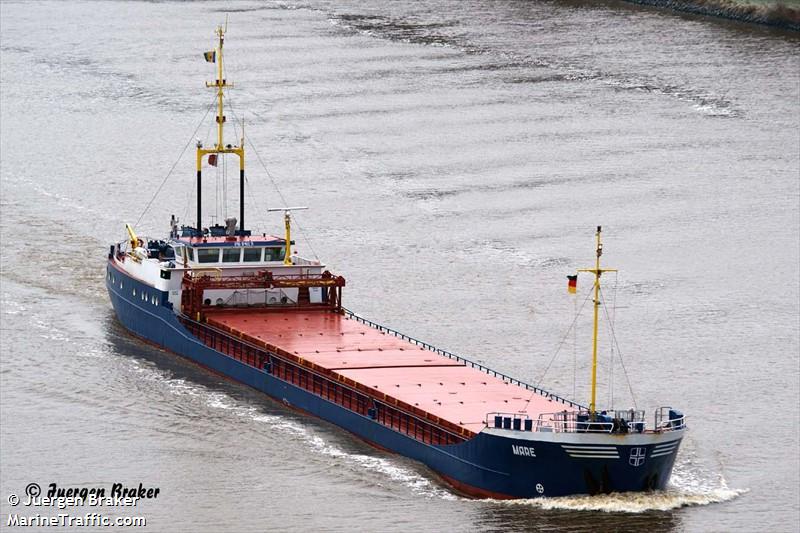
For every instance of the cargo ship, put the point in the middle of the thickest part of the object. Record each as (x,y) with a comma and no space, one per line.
(242,304)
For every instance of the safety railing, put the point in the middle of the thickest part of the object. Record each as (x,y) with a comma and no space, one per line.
(669,419)
(324,386)
(460,359)
(622,422)
(575,422)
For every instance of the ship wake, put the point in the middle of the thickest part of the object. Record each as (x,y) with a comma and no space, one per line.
(691,485)
(382,467)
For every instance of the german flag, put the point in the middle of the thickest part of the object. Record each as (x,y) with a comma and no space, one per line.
(212,160)
(211,56)
(572,284)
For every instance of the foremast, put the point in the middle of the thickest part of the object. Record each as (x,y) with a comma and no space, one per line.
(216,56)
(597,271)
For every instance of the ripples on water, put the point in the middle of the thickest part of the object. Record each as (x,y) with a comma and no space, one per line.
(151,396)
(460,151)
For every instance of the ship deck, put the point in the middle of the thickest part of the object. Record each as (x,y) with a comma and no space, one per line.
(446,388)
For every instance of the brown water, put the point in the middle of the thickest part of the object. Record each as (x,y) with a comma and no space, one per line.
(456,157)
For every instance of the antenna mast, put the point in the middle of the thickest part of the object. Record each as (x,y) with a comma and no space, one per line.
(216,56)
(597,271)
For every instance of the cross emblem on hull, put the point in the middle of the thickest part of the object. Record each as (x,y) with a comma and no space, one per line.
(637,457)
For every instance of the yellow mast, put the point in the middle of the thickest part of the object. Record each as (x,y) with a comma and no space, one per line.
(220,147)
(597,271)
(220,89)
(287,222)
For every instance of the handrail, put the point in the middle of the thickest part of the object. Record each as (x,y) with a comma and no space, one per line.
(675,420)
(562,422)
(565,422)
(622,422)
(464,360)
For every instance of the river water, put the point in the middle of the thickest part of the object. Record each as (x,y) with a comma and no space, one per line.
(456,158)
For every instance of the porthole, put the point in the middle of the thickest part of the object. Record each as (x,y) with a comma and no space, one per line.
(134,291)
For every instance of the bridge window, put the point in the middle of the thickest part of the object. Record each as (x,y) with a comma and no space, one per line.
(231,255)
(274,254)
(252,254)
(208,255)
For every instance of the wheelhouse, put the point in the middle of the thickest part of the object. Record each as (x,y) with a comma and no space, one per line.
(230,252)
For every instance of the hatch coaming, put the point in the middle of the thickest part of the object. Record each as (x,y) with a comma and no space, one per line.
(389,369)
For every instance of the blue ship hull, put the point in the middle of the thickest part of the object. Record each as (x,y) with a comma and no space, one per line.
(495,463)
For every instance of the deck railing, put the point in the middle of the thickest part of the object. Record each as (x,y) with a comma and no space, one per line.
(450,355)
(568,422)
(615,422)
(668,419)
(321,385)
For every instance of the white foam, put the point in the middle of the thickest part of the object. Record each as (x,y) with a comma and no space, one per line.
(690,485)
(417,483)
(713,110)
(94,353)
(179,387)
(12,307)
(219,400)
(632,502)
